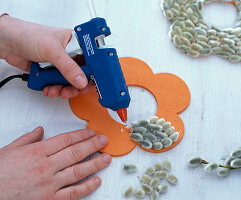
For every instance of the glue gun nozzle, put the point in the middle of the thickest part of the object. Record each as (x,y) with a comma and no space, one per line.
(122,113)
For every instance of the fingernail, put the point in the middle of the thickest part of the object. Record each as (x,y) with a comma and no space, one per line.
(64,96)
(103,139)
(37,129)
(91,133)
(46,90)
(107,158)
(80,81)
(97,181)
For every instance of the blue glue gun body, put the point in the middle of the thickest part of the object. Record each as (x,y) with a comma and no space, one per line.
(102,67)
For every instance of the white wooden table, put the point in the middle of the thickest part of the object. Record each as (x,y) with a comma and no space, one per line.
(212,121)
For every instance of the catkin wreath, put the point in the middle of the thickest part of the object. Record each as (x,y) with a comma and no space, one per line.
(192,36)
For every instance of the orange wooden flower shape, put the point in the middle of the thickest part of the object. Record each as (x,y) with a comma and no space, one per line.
(171,93)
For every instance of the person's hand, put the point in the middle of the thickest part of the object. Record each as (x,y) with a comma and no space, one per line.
(43,170)
(22,42)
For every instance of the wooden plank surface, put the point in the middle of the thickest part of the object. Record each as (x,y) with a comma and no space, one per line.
(212,121)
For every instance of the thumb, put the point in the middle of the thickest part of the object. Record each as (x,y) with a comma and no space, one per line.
(34,136)
(69,68)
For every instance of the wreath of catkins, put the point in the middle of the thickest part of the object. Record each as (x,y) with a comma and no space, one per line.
(192,36)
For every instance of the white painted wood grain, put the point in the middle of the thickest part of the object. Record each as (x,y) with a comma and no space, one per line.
(212,121)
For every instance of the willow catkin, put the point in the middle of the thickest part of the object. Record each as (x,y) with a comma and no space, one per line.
(174,136)
(147,188)
(154,182)
(195,161)
(160,135)
(172,179)
(167,142)
(157,146)
(166,125)
(158,166)
(139,130)
(146,144)
(143,122)
(129,168)
(137,137)
(154,127)
(151,137)
(160,121)
(160,174)
(154,195)
(222,172)
(145,178)
(236,153)
(128,192)
(150,171)
(167,165)
(170,130)
(236,163)
(211,167)
(153,119)
(228,161)
(134,125)
(140,194)
(162,189)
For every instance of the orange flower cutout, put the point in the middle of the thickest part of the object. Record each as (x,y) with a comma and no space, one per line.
(171,93)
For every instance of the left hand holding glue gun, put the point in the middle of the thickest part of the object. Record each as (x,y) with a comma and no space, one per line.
(23,42)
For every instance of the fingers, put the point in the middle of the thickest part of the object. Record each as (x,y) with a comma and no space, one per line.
(68,67)
(59,90)
(78,172)
(34,136)
(78,191)
(62,141)
(77,152)
(46,90)
(69,92)
(87,89)
(66,92)
(52,91)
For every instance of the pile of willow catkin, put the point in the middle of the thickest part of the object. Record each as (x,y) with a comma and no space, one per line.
(155,133)
(151,181)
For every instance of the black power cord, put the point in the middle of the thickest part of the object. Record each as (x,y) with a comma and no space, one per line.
(24,77)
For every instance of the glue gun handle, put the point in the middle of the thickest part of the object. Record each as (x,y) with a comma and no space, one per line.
(40,78)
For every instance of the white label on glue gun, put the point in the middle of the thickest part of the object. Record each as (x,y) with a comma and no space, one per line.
(88,45)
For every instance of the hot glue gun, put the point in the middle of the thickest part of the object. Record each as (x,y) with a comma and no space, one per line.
(102,67)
